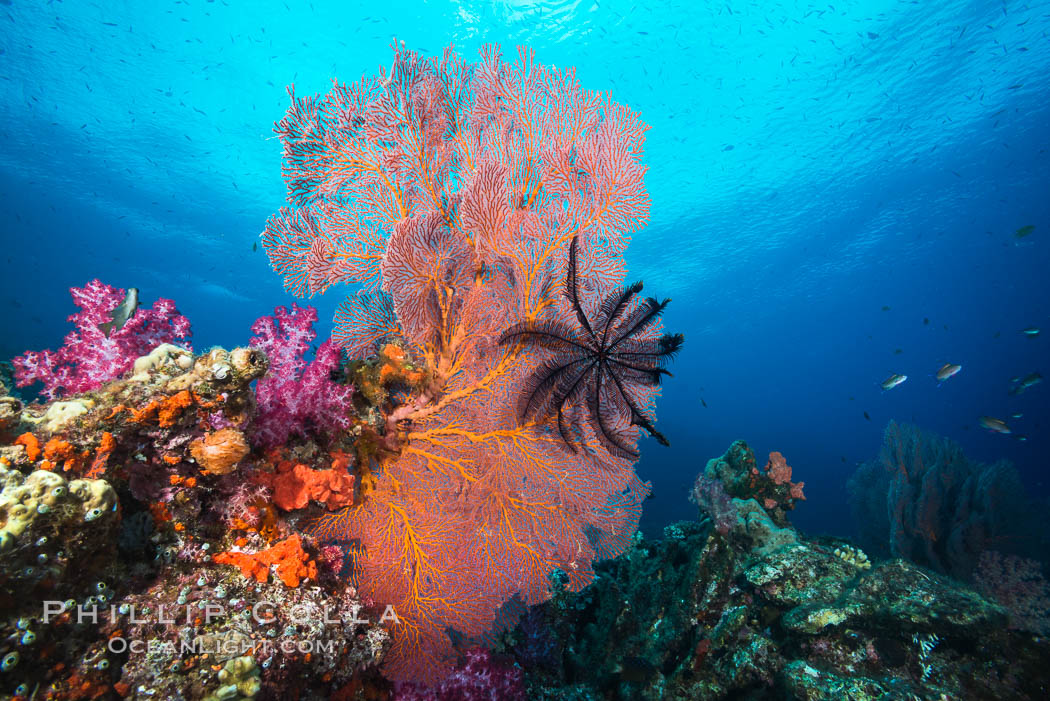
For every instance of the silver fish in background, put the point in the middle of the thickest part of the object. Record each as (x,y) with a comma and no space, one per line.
(994,424)
(893,381)
(1021,384)
(948,370)
(120,315)
(1031,331)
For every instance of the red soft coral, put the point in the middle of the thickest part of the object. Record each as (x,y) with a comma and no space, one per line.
(88,357)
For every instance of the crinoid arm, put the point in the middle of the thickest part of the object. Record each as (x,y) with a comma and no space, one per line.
(599,367)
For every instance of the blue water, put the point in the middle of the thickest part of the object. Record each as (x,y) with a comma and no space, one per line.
(810,164)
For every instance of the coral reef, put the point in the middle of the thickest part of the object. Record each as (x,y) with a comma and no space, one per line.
(10,413)
(740,478)
(479,677)
(257,523)
(708,615)
(1017,584)
(47,523)
(134,567)
(121,512)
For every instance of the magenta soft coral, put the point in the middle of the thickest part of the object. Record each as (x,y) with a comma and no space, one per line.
(296,397)
(88,357)
(480,677)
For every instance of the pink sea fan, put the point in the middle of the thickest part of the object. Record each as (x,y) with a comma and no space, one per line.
(451,191)
(296,397)
(88,357)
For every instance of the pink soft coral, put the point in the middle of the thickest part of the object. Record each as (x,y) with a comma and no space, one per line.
(88,358)
(479,677)
(297,397)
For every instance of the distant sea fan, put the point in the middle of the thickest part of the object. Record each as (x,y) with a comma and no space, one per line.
(922,499)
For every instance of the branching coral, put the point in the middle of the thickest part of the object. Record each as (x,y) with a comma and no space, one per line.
(451,193)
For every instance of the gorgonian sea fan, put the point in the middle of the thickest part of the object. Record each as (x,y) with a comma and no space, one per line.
(450,193)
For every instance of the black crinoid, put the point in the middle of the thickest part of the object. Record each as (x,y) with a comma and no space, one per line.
(601,363)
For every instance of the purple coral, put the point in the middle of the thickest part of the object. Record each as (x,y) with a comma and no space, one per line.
(1018,584)
(297,397)
(88,357)
(710,495)
(480,678)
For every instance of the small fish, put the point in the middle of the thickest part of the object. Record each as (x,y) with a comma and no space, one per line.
(898,351)
(1021,437)
(993,424)
(1024,231)
(926,321)
(893,380)
(1021,384)
(866,416)
(120,315)
(255,246)
(1016,416)
(885,308)
(948,370)
(1031,331)
(703,402)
